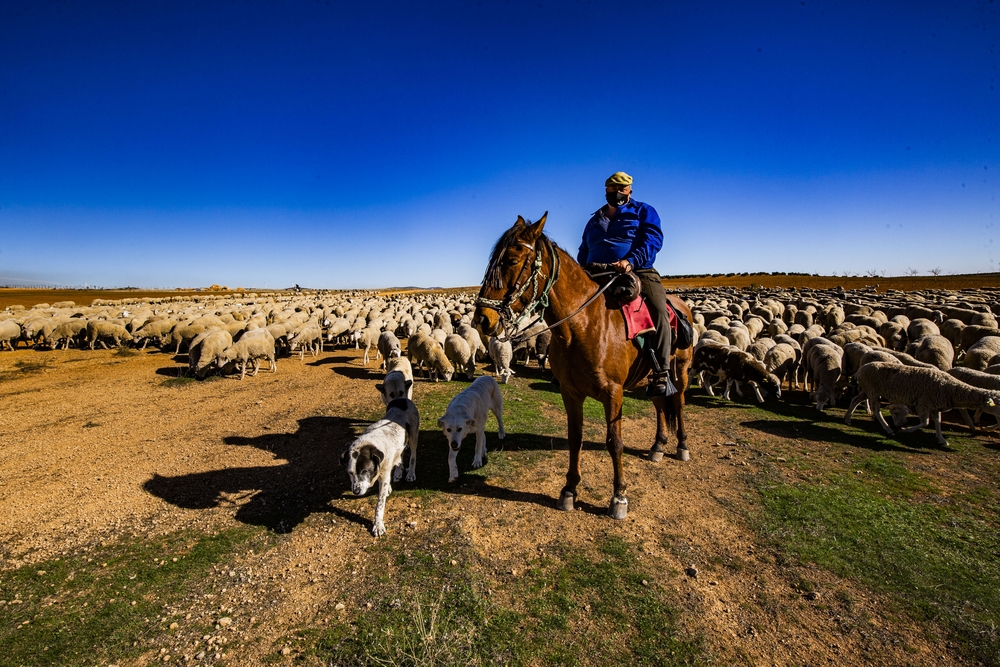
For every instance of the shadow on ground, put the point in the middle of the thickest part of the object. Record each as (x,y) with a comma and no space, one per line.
(312,479)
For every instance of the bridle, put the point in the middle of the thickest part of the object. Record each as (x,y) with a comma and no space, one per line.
(511,321)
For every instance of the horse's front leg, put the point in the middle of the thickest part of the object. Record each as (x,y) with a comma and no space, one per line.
(613,416)
(574,432)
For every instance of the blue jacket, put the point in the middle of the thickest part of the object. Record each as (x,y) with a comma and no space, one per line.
(633,233)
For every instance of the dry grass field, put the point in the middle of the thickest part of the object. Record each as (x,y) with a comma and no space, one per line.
(149,517)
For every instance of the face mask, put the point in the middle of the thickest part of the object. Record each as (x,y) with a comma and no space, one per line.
(616,198)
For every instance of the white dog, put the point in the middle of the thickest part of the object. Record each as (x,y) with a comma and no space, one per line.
(467,413)
(377,454)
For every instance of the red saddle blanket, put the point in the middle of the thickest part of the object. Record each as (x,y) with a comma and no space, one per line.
(638,320)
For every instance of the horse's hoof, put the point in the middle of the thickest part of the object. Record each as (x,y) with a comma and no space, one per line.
(683,454)
(618,509)
(565,502)
(656,455)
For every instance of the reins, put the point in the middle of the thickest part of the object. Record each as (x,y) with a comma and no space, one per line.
(539,303)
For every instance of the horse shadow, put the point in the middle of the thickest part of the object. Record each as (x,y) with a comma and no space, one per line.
(313,480)
(278,497)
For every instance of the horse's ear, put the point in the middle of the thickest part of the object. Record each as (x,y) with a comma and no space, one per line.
(520,222)
(535,230)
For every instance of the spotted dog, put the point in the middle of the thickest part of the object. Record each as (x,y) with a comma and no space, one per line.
(466,414)
(377,454)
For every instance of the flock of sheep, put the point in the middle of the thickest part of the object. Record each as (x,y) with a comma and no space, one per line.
(229,335)
(922,353)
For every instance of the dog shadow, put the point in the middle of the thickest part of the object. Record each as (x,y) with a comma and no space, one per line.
(278,497)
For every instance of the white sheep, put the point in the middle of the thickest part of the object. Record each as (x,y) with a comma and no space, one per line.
(388,346)
(206,349)
(501,353)
(430,356)
(309,336)
(10,332)
(251,347)
(100,329)
(928,392)
(823,367)
(457,350)
(933,349)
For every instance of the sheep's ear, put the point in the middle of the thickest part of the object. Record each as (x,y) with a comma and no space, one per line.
(535,230)
(408,384)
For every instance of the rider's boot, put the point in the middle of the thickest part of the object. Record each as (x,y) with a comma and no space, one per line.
(660,383)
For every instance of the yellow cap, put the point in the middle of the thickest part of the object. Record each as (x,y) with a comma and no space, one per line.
(618,178)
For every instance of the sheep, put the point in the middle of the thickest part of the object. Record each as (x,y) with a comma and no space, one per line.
(542,342)
(252,346)
(440,335)
(823,367)
(979,379)
(458,353)
(734,366)
(983,353)
(759,348)
(336,330)
(501,353)
(98,329)
(738,337)
(310,336)
(181,334)
(952,330)
(388,346)
(921,327)
(972,334)
(10,332)
(155,329)
(853,354)
(775,327)
(67,332)
(928,392)
(206,349)
(781,361)
(472,337)
(907,360)
(425,350)
(933,349)
(894,334)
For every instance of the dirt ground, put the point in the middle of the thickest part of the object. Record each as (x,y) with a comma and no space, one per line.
(95,447)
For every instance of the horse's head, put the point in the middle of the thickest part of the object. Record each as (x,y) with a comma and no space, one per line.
(513,265)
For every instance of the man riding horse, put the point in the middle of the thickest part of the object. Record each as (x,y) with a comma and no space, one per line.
(626,234)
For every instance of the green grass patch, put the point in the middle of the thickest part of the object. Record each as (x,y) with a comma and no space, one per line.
(586,607)
(883,525)
(126,351)
(98,607)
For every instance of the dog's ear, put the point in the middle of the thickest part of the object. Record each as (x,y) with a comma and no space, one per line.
(441,423)
(381,388)
(343,457)
(470,423)
(408,384)
(376,456)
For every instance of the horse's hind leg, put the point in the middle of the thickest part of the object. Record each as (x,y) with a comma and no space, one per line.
(669,417)
(574,433)
(613,416)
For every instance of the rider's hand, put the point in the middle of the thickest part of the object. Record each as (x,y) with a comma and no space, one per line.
(622,266)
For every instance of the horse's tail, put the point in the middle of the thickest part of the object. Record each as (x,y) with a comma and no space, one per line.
(670,412)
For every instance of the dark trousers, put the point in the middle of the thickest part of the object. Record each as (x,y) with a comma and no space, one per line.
(656,299)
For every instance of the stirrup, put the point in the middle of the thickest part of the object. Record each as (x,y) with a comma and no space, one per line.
(660,385)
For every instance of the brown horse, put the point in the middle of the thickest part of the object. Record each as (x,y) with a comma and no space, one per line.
(528,275)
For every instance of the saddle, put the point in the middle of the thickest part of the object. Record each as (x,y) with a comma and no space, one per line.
(625,294)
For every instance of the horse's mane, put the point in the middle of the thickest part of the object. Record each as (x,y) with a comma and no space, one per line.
(506,240)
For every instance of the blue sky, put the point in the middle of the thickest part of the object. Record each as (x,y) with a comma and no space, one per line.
(342,144)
